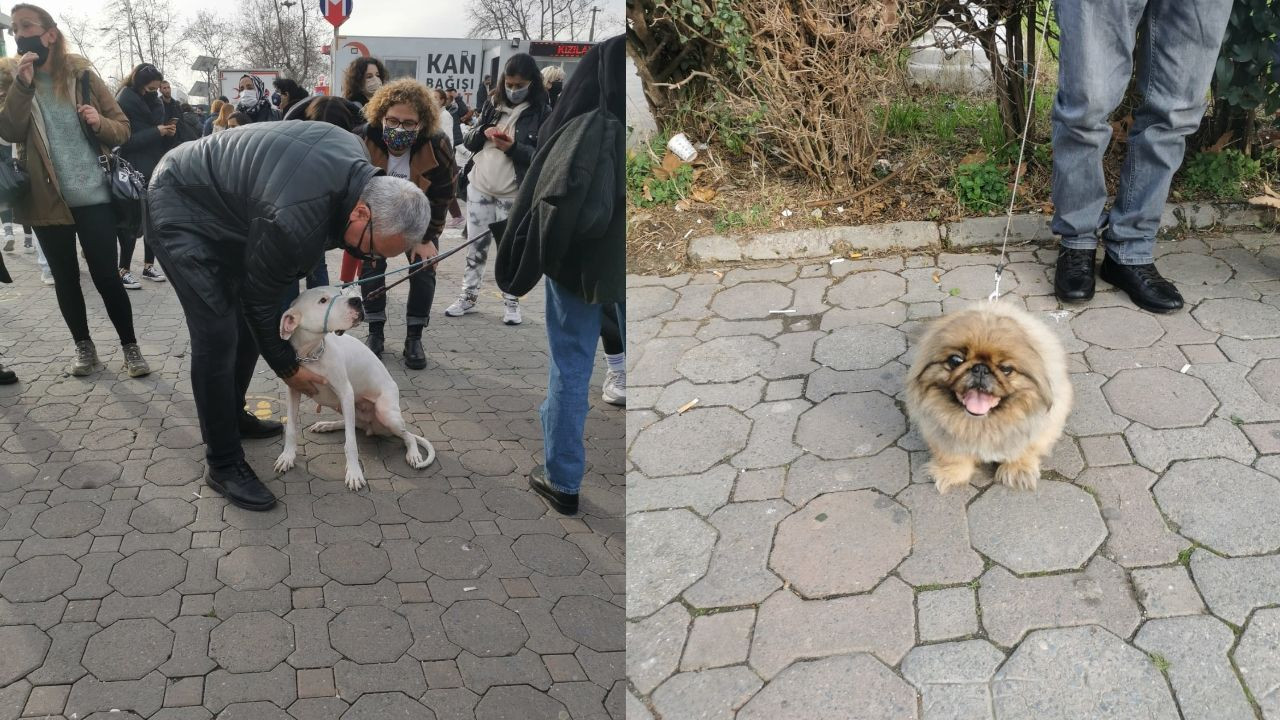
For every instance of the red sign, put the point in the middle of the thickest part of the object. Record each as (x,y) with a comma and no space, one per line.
(559,49)
(335,11)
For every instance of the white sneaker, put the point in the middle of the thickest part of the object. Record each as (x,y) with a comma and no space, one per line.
(615,388)
(46,277)
(512,315)
(127,278)
(463,305)
(153,273)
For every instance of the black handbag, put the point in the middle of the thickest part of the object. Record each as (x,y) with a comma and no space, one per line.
(14,183)
(128,186)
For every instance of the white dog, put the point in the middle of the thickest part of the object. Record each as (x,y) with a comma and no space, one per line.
(359,385)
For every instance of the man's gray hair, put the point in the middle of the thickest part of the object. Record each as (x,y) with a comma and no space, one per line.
(398,207)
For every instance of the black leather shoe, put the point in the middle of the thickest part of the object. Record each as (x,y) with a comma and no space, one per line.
(374,342)
(7,377)
(1073,276)
(254,428)
(1144,284)
(240,485)
(562,502)
(415,358)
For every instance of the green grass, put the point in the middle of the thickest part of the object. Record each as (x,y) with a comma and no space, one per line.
(1184,557)
(1161,663)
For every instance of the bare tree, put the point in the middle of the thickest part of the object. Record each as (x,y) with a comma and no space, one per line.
(210,36)
(531,19)
(275,36)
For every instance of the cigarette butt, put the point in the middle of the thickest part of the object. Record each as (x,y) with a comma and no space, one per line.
(855,256)
(467,589)
(686,235)
(685,407)
(937,279)
(836,260)
(197,494)
(1185,368)
(782,312)
(719,275)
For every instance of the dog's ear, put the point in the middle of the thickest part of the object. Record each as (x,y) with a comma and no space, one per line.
(288,323)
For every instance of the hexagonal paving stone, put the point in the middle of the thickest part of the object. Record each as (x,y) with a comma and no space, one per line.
(67,520)
(466,430)
(128,650)
(453,558)
(486,629)
(668,551)
(370,634)
(1118,328)
(24,650)
(1265,378)
(354,563)
(974,282)
(549,555)
(726,359)
(430,505)
(590,621)
(860,347)
(1056,527)
(647,302)
(1194,269)
(1220,503)
(162,515)
(1239,318)
(89,475)
(4,517)
(691,443)
(251,642)
(515,504)
(851,425)
(751,300)
(855,687)
(343,509)
(1259,661)
(1083,672)
(1182,400)
(488,463)
(516,702)
(260,710)
(387,706)
(253,567)
(841,543)
(174,471)
(147,573)
(867,289)
(39,578)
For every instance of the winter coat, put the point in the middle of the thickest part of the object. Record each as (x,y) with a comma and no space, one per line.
(22,124)
(569,218)
(431,167)
(525,136)
(145,145)
(458,112)
(275,194)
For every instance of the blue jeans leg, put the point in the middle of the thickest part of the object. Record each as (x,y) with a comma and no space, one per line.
(573,329)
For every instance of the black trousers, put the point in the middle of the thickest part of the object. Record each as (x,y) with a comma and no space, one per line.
(610,333)
(422,292)
(223,350)
(96,227)
(127,245)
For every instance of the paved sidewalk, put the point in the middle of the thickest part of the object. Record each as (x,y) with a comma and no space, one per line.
(789,560)
(446,593)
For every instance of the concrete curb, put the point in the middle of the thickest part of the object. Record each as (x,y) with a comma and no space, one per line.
(962,234)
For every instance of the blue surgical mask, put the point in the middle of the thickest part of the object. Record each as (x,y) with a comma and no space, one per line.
(518,96)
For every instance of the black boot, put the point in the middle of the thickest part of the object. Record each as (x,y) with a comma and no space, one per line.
(374,341)
(7,377)
(1144,284)
(254,428)
(415,358)
(240,485)
(562,502)
(1073,276)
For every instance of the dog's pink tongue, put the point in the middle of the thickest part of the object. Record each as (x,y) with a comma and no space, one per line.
(979,403)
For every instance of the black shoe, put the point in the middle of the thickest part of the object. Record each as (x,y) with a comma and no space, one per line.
(374,342)
(1144,284)
(7,377)
(240,485)
(415,358)
(562,502)
(254,428)
(1073,276)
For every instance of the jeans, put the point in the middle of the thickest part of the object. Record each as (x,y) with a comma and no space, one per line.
(96,227)
(422,291)
(482,210)
(573,328)
(1176,58)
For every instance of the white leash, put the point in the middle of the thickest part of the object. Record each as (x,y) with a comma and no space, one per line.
(1017,170)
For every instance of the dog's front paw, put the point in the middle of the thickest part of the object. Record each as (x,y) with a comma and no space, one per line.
(1018,474)
(949,475)
(355,479)
(284,463)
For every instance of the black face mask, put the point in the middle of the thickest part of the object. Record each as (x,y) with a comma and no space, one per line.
(355,251)
(33,45)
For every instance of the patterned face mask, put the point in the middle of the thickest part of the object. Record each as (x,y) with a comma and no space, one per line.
(399,139)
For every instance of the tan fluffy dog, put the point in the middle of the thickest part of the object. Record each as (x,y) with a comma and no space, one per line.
(989,384)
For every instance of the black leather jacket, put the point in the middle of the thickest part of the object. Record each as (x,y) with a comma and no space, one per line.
(279,192)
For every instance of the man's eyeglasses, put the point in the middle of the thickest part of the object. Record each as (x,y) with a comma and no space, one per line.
(397,123)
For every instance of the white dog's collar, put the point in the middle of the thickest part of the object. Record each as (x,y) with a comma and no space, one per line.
(315,354)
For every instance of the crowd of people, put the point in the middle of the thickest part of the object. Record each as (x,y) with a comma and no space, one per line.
(379,171)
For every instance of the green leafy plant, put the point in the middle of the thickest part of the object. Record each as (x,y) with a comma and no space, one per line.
(644,188)
(1220,175)
(981,187)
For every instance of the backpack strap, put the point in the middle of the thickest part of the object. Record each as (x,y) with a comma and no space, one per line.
(86,98)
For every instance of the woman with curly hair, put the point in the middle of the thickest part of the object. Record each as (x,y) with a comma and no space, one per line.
(405,139)
(363,78)
(503,144)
